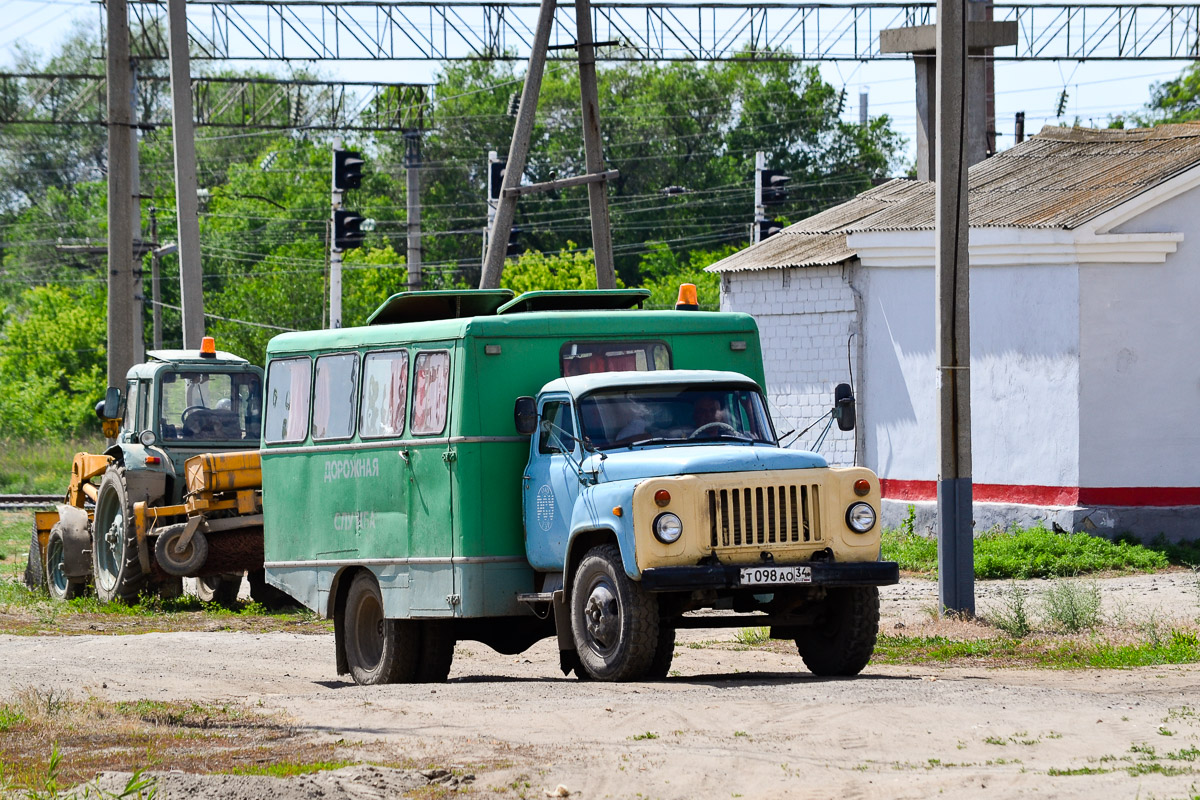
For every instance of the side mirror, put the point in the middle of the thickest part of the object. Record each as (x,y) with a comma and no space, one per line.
(525,415)
(110,406)
(843,406)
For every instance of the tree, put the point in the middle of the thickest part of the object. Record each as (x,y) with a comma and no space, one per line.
(1176,100)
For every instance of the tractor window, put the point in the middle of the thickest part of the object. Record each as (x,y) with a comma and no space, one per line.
(431,392)
(287,400)
(581,358)
(385,394)
(144,419)
(129,407)
(335,388)
(209,406)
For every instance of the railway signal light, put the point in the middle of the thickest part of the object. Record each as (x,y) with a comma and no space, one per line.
(514,248)
(347,230)
(774,187)
(347,169)
(767,228)
(495,178)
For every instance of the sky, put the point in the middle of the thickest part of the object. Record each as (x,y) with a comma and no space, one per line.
(1096,90)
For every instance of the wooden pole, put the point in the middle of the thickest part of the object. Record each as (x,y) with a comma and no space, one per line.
(593,147)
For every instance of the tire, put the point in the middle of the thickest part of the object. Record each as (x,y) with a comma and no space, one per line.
(664,651)
(221,590)
(378,650)
(58,584)
(615,623)
(437,651)
(842,640)
(35,574)
(184,564)
(115,568)
(265,594)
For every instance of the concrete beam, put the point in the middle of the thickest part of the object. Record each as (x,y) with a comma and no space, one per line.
(923,38)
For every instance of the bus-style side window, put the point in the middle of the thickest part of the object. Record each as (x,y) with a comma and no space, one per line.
(287,400)
(334,392)
(581,358)
(431,391)
(384,394)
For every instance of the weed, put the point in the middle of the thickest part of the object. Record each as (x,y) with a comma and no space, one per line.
(643,736)
(1013,615)
(740,733)
(1163,731)
(1072,606)
(753,637)
(996,740)
(1078,771)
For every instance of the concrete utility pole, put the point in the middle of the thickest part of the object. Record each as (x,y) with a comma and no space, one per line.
(138,307)
(335,252)
(1019,132)
(412,173)
(122,334)
(506,209)
(956,573)
(982,36)
(187,210)
(863,118)
(760,208)
(606,277)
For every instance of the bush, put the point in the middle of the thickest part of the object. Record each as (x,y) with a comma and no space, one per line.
(1072,606)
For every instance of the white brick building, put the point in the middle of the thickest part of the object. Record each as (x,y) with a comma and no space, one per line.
(1085,335)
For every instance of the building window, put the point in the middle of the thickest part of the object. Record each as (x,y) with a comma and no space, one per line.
(384,394)
(431,392)
(287,400)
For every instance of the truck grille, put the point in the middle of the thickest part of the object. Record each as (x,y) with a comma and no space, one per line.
(764,515)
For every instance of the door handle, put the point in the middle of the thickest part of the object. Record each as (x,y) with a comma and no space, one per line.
(404,456)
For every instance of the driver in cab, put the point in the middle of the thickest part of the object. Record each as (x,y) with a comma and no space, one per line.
(709,414)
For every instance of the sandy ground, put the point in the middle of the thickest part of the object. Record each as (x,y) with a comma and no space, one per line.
(728,723)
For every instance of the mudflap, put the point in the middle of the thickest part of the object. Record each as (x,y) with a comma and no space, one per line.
(77,541)
(568,659)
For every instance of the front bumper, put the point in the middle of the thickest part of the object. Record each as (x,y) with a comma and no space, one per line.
(728,576)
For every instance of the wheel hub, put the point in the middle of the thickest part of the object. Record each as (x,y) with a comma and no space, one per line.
(602,616)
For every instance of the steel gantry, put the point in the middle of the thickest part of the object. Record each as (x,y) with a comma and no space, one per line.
(420,30)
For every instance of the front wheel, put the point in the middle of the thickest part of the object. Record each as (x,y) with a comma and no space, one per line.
(378,650)
(59,585)
(615,623)
(117,572)
(841,641)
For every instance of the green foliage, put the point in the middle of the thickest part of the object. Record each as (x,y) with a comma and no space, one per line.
(1012,616)
(36,466)
(52,362)
(753,637)
(1036,552)
(1090,654)
(570,268)
(1072,606)
(1176,100)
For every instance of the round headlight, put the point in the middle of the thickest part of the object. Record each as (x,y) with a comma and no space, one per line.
(668,528)
(147,438)
(860,517)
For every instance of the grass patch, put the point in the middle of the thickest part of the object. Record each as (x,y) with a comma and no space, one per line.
(40,467)
(753,637)
(1180,647)
(68,740)
(15,529)
(290,769)
(1023,553)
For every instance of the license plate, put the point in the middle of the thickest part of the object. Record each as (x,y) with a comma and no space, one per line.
(770,576)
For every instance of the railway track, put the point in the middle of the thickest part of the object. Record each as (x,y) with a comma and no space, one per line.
(15,502)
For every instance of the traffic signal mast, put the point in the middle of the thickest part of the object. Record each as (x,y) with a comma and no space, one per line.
(770,189)
(346,226)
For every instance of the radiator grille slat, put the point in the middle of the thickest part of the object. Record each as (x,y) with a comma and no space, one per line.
(761,515)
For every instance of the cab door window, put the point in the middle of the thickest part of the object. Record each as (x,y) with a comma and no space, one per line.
(557,432)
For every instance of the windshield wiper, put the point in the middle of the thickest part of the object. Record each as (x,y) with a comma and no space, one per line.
(737,437)
(656,440)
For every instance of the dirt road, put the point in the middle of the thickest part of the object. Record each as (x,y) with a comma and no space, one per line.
(728,723)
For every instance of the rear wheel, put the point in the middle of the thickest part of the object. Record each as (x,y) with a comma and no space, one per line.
(271,598)
(615,623)
(841,641)
(437,651)
(57,583)
(220,589)
(117,572)
(35,574)
(378,650)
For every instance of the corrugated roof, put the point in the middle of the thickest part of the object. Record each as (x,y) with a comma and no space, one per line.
(1059,179)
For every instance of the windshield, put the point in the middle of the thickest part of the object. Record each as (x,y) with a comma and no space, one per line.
(659,414)
(210,407)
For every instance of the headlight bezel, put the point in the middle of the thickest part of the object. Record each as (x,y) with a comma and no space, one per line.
(850,517)
(657,527)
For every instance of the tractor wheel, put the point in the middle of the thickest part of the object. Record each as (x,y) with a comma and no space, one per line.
(35,575)
(59,585)
(378,650)
(117,573)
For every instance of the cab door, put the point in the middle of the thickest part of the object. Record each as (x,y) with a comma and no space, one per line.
(551,483)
